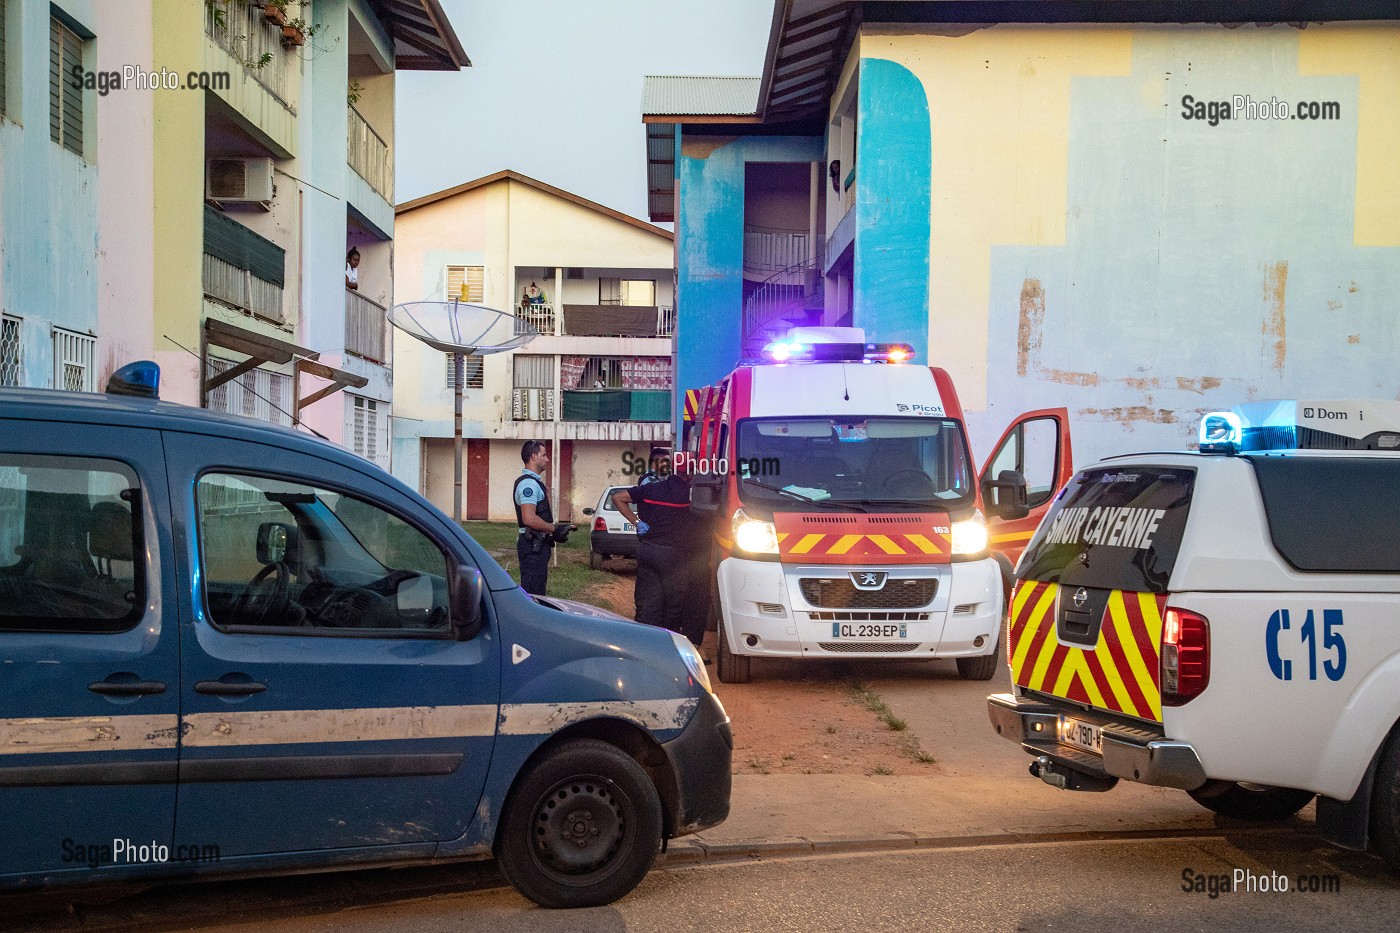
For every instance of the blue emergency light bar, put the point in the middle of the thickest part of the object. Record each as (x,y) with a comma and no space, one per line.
(786,351)
(1222,432)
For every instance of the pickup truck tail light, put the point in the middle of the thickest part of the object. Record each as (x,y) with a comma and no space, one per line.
(1185,656)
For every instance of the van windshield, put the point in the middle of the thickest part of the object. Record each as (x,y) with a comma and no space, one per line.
(889,462)
(1115,529)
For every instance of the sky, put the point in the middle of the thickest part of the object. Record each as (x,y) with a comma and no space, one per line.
(555,90)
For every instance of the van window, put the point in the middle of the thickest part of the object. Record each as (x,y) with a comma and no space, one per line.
(1111,528)
(1332,515)
(68,539)
(296,559)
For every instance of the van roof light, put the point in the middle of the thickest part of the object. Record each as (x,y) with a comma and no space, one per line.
(141,379)
(791,351)
(1221,432)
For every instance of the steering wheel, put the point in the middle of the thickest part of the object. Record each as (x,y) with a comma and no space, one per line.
(265,597)
(922,478)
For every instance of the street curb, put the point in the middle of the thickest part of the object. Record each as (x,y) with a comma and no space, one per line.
(700,852)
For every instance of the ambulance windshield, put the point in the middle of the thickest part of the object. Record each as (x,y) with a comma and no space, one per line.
(884,461)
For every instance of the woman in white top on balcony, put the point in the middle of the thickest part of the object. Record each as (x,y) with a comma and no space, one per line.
(352,270)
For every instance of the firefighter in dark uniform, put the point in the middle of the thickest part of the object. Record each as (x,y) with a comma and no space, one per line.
(534,520)
(672,554)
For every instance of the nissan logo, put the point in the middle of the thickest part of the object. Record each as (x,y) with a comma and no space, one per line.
(1081,596)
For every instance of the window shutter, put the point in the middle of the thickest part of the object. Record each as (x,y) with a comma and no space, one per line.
(472,375)
(475,279)
(65,100)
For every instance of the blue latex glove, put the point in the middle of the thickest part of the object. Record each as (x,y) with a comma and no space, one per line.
(642,527)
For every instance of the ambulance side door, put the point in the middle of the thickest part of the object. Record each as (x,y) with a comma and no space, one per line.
(1037,446)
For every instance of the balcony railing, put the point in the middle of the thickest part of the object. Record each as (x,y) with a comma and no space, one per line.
(239,288)
(767,251)
(369,156)
(537,316)
(617,405)
(619,320)
(364,327)
(239,28)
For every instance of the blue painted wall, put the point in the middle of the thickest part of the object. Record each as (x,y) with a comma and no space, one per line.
(710,249)
(890,267)
(48,197)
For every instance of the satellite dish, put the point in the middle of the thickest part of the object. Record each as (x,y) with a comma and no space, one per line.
(462,327)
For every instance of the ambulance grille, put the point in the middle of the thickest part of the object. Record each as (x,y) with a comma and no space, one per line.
(827,520)
(869,616)
(884,647)
(842,594)
(894,520)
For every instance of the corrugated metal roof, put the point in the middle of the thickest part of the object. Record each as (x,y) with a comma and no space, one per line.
(700,94)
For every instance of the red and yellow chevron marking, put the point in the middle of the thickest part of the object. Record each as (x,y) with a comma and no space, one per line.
(1121,673)
(692,404)
(860,538)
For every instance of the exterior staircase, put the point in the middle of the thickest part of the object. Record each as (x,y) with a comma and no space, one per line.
(791,297)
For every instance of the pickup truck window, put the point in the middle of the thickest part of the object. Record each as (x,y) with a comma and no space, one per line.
(1332,515)
(68,535)
(295,559)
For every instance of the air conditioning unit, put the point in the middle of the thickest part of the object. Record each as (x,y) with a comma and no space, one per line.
(573,273)
(240,181)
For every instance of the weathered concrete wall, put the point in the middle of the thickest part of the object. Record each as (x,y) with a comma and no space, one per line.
(1091,247)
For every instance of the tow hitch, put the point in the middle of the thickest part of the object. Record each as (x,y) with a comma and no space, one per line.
(1057,775)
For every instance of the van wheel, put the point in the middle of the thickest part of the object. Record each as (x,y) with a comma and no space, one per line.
(1251,801)
(982,668)
(595,560)
(581,829)
(732,668)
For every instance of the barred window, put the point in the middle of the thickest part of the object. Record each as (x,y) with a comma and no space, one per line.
(473,376)
(65,100)
(73,361)
(259,393)
(369,429)
(11,357)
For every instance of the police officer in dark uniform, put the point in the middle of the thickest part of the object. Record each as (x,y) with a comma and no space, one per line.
(534,520)
(672,554)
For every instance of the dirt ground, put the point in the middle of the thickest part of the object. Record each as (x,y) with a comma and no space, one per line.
(795,717)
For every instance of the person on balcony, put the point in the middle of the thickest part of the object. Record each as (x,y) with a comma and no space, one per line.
(352,270)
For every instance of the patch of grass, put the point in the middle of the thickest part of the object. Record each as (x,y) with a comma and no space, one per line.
(922,757)
(894,722)
(789,756)
(568,580)
(830,730)
(882,769)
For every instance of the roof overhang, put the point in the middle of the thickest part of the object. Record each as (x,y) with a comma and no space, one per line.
(423,38)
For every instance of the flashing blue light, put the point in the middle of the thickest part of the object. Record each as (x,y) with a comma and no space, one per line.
(1221,432)
(141,379)
(782,351)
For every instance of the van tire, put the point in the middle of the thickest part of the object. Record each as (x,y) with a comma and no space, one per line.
(732,668)
(603,788)
(595,560)
(1252,803)
(983,668)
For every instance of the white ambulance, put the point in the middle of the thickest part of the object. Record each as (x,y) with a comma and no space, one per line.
(1224,622)
(849,517)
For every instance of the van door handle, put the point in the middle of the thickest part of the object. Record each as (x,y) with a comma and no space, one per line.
(134,689)
(219,688)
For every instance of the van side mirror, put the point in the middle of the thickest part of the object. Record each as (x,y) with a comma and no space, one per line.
(1005,497)
(706,490)
(466,593)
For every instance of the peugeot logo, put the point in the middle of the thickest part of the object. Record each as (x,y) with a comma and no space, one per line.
(869,579)
(1081,596)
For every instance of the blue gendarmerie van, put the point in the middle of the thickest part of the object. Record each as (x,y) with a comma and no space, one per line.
(227,646)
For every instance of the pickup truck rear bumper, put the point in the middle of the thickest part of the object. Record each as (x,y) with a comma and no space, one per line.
(1130,752)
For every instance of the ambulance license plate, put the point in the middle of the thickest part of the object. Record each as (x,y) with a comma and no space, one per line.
(866,630)
(1082,735)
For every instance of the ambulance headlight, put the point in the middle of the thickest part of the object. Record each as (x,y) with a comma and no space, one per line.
(693,662)
(754,535)
(970,536)
(1221,432)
